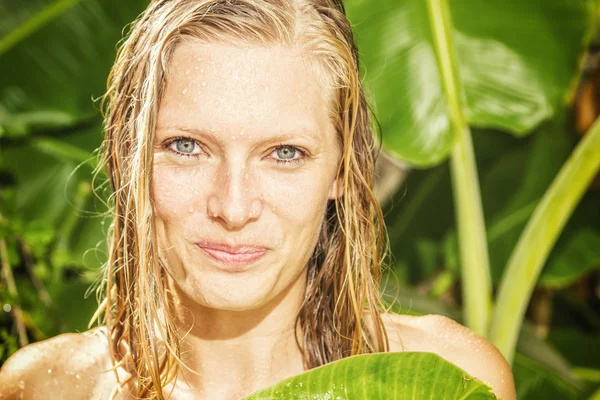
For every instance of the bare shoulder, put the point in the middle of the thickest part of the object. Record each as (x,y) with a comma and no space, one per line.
(71,365)
(455,343)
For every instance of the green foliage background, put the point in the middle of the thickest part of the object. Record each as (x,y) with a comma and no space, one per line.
(54,61)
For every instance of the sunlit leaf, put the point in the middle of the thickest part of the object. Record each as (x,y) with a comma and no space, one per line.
(381,376)
(537,367)
(55,57)
(516,60)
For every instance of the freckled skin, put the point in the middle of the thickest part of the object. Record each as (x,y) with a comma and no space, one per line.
(235,188)
(245,106)
(238,326)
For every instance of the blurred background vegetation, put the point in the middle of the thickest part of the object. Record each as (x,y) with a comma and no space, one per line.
(528,74)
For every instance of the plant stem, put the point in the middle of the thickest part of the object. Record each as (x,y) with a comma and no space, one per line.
(12,290)
(63,150)
(43,294)
(35,23)
(538,238)
(61,255)
(476,282)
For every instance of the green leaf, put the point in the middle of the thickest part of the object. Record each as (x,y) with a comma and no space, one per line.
(428,252)
(579,256)
(580,348)
(53,196)
(516,60)
(27,20)
(55,57)
(515,183)
(423,209)
(381,376)
(537,365)
(538,238)
(23,124)
(71,304)
(535,381)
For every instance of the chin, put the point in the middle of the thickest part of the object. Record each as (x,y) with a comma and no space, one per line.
(238,300)
(233,292)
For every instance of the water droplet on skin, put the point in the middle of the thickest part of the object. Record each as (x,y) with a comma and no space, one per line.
(242,133)
(203,83)
(191,210)
(184,91)
(50,371)
(78,376)
(21,385)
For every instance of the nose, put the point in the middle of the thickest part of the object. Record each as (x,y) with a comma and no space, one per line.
(234,199)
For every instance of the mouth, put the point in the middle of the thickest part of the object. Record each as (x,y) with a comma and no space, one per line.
(233,258)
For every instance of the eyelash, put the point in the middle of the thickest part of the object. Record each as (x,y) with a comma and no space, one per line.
(303,155)
(167,146)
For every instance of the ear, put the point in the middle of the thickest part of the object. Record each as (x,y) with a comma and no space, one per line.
(337,189)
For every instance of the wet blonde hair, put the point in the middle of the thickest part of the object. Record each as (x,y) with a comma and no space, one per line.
(343,273)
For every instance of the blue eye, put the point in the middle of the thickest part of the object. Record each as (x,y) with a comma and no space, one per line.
(185,145)
(286,152)
(289,155)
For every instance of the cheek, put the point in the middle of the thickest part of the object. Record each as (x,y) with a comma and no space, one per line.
(176,189)
(301,198)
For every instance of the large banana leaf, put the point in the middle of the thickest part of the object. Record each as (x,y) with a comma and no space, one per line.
(410,376)
(540,371)
(514,175)
(515,61)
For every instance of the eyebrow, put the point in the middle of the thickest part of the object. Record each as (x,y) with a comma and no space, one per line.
(304,133)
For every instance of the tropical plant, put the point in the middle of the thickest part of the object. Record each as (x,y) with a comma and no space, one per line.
(446,69)
(473,67)
(381,376)
(54,59)
(448,80)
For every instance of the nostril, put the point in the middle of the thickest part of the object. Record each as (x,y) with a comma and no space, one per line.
(213,207)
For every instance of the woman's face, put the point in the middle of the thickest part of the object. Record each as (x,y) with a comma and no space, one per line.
(245,162)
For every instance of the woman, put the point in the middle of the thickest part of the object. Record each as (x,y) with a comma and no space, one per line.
(247,243)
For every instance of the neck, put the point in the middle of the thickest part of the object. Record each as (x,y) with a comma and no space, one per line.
(232,353)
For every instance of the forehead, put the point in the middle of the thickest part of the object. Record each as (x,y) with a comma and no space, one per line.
(262,90)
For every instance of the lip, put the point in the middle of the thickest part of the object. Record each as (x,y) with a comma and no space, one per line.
(235,258)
